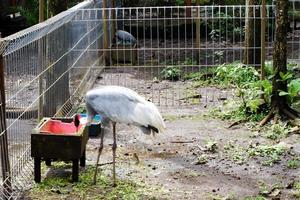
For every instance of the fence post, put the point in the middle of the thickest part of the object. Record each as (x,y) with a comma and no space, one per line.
(263,40)
(113,15)
(3,133)
(40,63)
(198,31)
(105,33)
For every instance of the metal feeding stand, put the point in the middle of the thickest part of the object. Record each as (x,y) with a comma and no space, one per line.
(57,139)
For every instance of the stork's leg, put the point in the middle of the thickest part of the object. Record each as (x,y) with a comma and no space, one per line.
(98,156)
(114,147)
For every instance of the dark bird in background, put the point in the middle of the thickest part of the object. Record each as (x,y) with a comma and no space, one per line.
(121,105)
(123,37)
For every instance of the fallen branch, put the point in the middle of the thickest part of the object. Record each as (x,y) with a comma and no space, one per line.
(267,118)
(181,142)
(107,163)
(196,96)
(295,130)
(295,122)
(237,123)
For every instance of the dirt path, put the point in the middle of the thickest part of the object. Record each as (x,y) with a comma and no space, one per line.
(181,164)
(168,161)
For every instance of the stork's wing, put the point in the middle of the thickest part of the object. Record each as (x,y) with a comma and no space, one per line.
(117,104)
(125,106)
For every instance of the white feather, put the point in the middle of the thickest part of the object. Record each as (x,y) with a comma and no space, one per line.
(123,105)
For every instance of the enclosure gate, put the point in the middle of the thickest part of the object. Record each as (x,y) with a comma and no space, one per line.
(49,67)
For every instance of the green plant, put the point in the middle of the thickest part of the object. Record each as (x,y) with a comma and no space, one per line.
(297,187)
(202,159)
(195,76)
(172,73)
(293,163)
(189,62)
(293,92)
(271,153)
(255,198)
(81,109)
(236,153)
(235,74)
(277,131)
(211,146)
(218,55)
(267,89)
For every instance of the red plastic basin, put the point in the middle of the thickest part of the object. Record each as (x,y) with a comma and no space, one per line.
(57,127)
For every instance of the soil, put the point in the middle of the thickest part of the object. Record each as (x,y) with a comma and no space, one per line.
(168,161)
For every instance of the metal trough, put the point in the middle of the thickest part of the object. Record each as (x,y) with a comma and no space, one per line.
(58,139)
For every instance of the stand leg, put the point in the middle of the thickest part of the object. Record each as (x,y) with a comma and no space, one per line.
(82,159)
(37,169)
(75,170)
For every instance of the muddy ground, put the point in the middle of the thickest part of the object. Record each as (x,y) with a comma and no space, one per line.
(182,163)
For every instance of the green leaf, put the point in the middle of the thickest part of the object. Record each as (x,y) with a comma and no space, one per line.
(283,93)
(286,76)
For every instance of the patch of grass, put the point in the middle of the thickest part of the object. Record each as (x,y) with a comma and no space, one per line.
(62,188)
(201,160)
(171,73)
(277,131)
(178,117)
(270,153)
(255,198)
(203,74)
(171,118)
(211,146)
(220,197)
(236,153)
(192,96)
(293,163)
(235,74)
(234,110)
(245,80)
(297,188)
(195,76)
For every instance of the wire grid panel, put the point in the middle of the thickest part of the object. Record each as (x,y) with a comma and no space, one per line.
(168,48)
(48,68)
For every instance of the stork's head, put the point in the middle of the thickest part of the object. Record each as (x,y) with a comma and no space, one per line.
(77,120)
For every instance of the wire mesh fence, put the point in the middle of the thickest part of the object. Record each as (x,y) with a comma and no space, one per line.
(48,67)
(44,77)
(175,42)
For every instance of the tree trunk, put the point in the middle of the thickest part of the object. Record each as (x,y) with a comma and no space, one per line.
(252,38)
(280,54)
(188,10)
(279,104)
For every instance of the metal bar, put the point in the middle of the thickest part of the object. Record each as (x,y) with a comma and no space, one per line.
(263,40)
(3,135)
(198,30)
(113,14)
(40,62)
(105,31)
